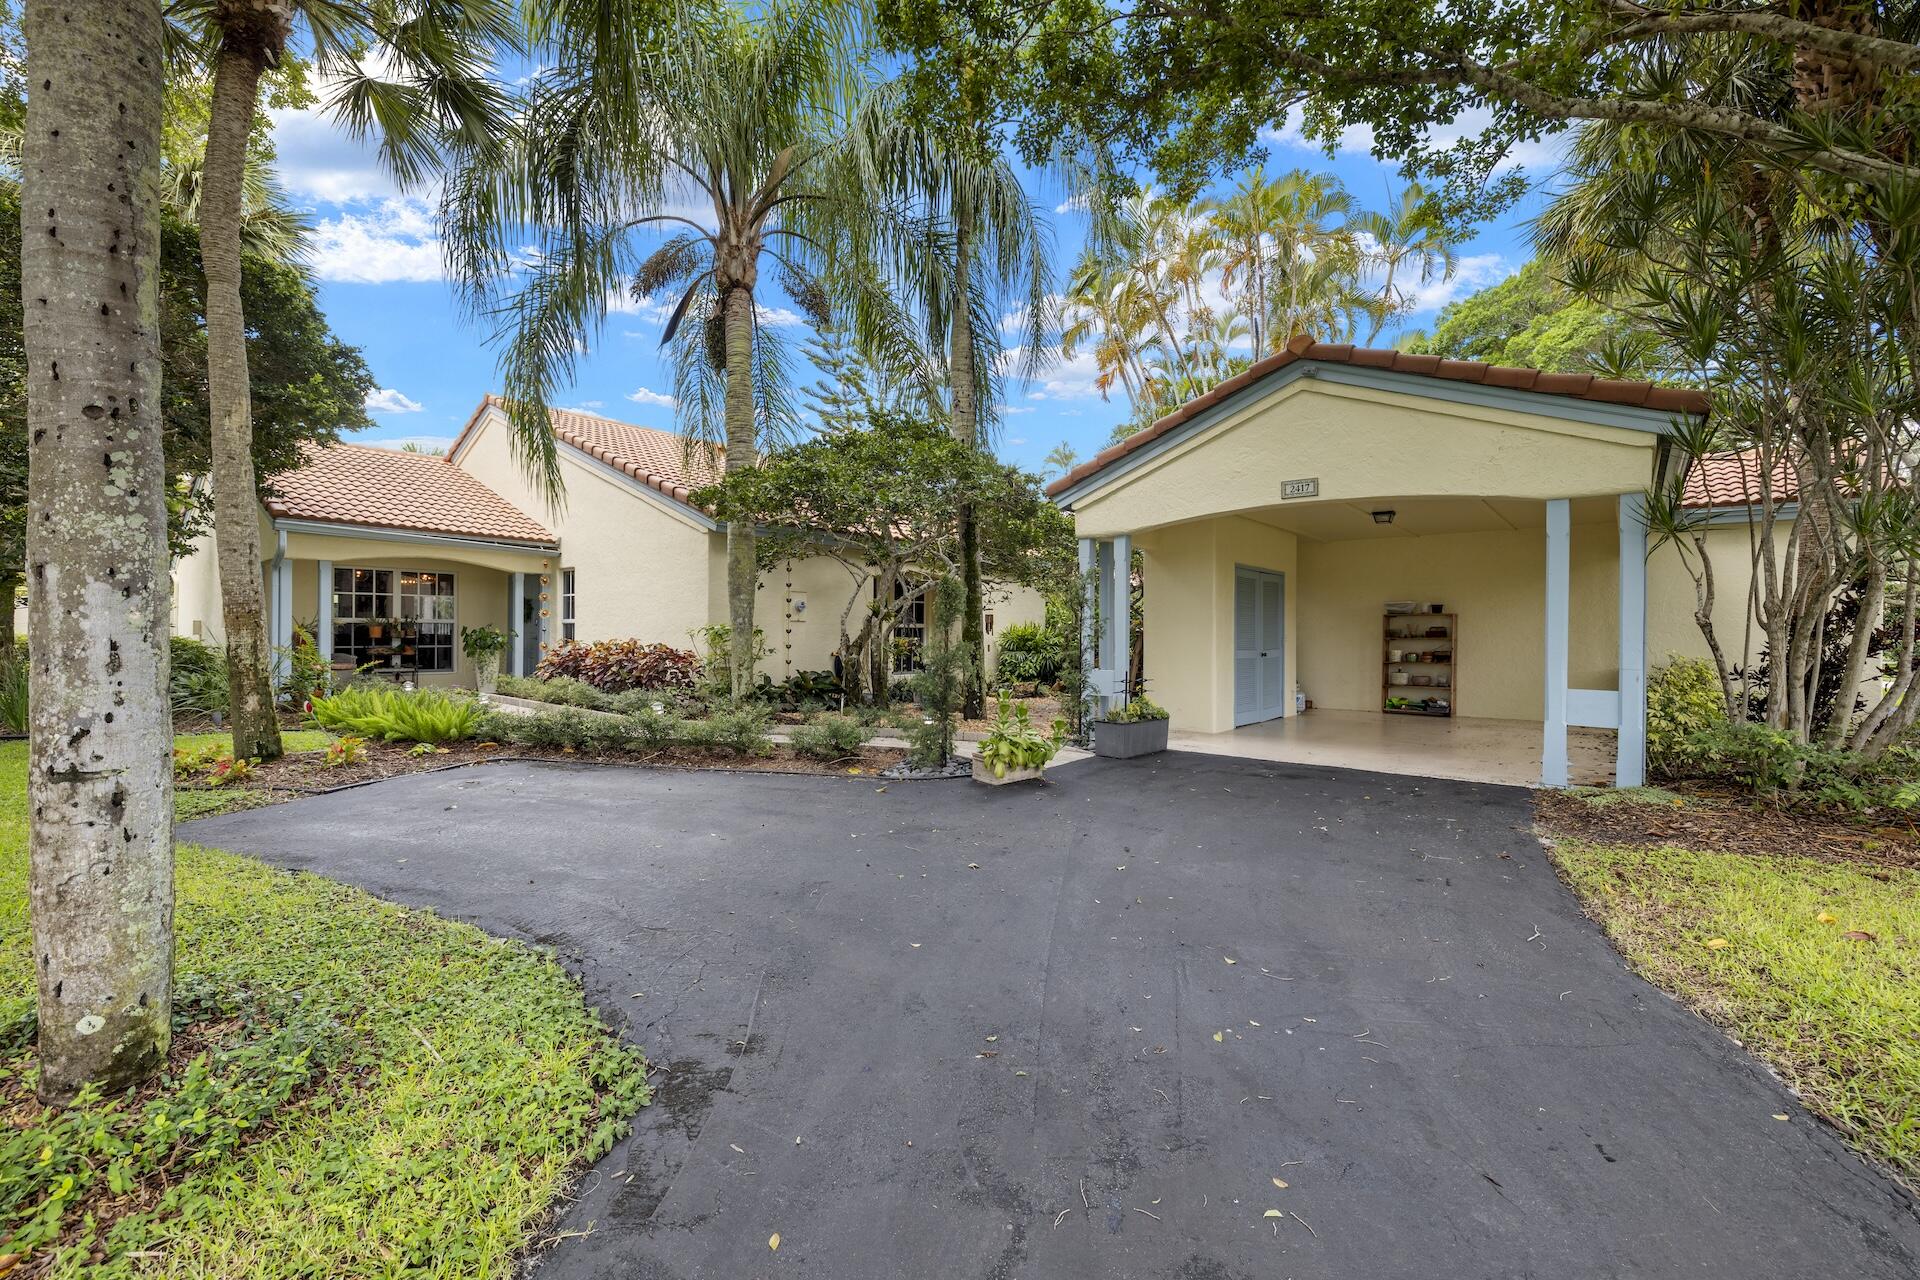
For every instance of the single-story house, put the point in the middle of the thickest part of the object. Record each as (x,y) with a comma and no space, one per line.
(1400,539)
(386,555)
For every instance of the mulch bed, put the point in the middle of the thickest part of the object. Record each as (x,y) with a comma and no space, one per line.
(306,773)
(1726,822)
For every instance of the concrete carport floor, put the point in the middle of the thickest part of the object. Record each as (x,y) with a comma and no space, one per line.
(1078,1029)
(1465,748)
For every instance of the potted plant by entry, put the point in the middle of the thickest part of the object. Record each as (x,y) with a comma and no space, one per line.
(1138,728)
(1013,750)
(483,646)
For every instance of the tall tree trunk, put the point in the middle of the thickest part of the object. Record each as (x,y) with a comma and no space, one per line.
(99,775)
(743,570)
(965,424)
(236,503)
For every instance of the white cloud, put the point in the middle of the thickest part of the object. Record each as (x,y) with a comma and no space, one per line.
(1472,273)
(648,397)
(315,158)
(387,400)
(1063,379)
(395,240)
(1541,158)
(1016,408)
(1073,204)
(591,404)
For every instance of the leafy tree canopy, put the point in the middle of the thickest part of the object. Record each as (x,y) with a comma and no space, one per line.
(1447,89)
(309,386)
(1528,319)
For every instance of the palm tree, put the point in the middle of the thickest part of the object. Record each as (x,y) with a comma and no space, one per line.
(1105,311)
(100,786)
(998,252)
(751,140)
(1286,248)
(433,93)
(1061,459)
(1408,233)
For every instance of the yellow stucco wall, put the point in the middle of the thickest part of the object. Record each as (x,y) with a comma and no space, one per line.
(1360,443)
(480,597)
(1494,581)
(1187,572)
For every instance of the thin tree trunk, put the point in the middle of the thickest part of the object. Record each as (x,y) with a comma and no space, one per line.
(1859,652)
(965,425)
(9,640)
(236,503)
(743,569)
(99,776)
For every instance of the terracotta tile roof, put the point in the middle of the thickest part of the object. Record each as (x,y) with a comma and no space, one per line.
(359,484)
(662,460)
(1581,386)
(1733,480)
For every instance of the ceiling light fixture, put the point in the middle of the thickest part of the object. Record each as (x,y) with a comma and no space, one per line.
(1383,517)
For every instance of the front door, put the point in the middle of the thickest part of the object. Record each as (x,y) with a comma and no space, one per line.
(1259,645)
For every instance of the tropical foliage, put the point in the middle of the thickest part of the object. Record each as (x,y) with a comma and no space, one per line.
(1170,299)
(615,666)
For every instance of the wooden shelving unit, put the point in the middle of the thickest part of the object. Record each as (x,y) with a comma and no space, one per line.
(1428,647)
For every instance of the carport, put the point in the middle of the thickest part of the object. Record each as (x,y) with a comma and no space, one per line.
(1451,556)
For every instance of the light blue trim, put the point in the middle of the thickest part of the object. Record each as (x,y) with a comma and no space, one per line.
(516,599)
(1750,515)
(323,617)
(1539,403)
(1253,574)
(1630,757)
(379,533)
(1553,749)
(1593,708)
(280,626)
(1122,623)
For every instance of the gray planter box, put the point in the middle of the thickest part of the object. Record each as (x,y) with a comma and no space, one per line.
(1125,741)
(981,773)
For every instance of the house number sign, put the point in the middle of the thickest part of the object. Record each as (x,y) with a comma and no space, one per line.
(1309,488)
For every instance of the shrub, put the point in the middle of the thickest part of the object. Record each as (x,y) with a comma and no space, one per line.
(1028,651)
(229,769)
(565,691)
(345,751)
(715,664)
(830,738)
(1683,702)
(614,666)
(396,715)
(1136,711)
(941,680)
(1775,767)
(198,683)
(742,731)
(1013,742)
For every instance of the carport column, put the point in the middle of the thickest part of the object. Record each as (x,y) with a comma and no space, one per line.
(1119,614)
(1553,751)
(280,608)
(1630,755)
(1090,609)
(323,609)
(517,650)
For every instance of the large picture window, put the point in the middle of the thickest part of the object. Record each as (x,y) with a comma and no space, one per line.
(399,618)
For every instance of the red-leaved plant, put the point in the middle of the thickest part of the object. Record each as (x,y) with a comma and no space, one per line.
(615,666)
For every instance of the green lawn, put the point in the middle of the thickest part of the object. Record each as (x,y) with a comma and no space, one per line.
(1762,946)
(403,1095)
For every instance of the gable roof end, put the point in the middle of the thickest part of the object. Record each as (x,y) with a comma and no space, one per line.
(1581,386)
(664,461)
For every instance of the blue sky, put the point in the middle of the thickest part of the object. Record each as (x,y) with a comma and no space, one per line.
(377,263)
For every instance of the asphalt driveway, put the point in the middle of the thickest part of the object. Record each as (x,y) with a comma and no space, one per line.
(933,1030)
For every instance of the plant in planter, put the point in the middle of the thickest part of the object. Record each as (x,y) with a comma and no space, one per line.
(1138,728)
(1013,749)
(483,646)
